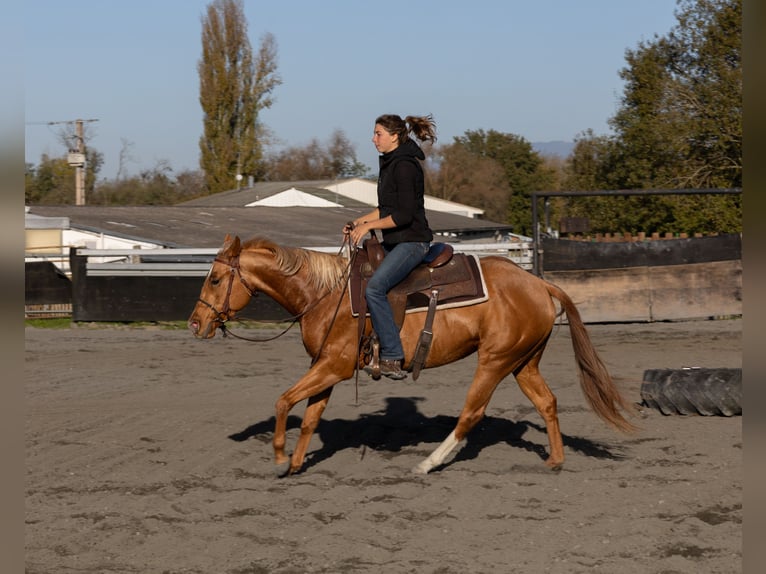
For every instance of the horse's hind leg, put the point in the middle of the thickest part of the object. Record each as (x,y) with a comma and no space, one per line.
(485,381)
(536,389)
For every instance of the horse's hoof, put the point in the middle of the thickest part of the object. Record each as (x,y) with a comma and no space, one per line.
(553,465)
(282,469)
(421,468)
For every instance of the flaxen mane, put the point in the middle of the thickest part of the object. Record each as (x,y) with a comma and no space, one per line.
(324,270)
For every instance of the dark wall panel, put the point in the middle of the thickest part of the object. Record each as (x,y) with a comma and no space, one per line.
(152,299)
(146,298)
(568,255)
(45,284)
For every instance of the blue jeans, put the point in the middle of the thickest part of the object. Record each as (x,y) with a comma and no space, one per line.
(396,265)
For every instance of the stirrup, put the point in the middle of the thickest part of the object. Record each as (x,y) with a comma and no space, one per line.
(373,367)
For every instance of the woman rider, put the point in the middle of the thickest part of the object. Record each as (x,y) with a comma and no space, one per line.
(401,217)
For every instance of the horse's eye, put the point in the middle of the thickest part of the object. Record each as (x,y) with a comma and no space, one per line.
(214,281)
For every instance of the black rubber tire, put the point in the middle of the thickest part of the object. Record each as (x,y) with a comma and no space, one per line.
(707,392)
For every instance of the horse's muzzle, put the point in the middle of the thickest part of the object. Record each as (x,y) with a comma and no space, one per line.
(194,327)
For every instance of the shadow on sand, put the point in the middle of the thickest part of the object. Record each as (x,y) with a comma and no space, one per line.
(402,425)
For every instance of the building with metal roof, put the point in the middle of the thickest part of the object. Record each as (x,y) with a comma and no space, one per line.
(350,192)
(190,226)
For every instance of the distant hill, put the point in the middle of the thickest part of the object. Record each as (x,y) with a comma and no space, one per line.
(559,148)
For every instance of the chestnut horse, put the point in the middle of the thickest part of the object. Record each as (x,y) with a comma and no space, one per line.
(509,332)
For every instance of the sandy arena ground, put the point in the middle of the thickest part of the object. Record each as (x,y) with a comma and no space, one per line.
(148,451)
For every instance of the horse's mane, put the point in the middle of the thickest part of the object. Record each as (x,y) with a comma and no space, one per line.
(324,270)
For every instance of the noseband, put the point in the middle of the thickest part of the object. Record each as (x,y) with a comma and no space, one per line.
(226,313)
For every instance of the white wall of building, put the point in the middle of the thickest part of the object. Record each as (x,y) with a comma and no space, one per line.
(367,192)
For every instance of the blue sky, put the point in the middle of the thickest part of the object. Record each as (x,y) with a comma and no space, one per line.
(545,70)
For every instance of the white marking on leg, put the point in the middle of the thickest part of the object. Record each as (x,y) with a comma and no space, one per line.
(437,456)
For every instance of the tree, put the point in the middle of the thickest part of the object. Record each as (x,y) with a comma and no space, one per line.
(125,156)
(343,157)
(589,166)
(52,182)
(679,125)
(463,177)
(334,160)
(154,186)
(234,88)
(680,120)
(522,168)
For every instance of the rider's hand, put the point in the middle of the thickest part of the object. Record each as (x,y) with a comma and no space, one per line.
(358,232)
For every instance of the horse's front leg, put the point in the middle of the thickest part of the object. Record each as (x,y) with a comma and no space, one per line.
(316,386)
(311,418)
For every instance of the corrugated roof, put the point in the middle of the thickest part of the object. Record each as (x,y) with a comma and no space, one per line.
(264,189)
(206,226)
(332,190)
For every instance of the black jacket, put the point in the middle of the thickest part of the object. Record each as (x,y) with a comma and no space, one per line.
(401,190)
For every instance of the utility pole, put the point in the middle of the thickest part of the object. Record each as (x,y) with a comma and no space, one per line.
(77,160)
(79,167)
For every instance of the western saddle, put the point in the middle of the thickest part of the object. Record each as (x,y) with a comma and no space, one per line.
(443,278)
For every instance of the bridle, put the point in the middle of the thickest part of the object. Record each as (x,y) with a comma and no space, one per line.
(226,313)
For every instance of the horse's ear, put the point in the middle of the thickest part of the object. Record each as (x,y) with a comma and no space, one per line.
(231,246)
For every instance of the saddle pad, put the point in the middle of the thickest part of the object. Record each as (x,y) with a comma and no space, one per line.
(460,285)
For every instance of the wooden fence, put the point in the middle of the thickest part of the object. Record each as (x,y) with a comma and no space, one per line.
(669,279)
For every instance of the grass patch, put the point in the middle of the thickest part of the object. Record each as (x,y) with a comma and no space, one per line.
(50,323)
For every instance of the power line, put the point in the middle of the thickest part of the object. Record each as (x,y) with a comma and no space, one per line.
(59,122)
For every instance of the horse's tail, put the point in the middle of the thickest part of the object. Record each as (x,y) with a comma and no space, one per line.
(596,382)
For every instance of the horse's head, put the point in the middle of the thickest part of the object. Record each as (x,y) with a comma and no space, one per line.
(224,292)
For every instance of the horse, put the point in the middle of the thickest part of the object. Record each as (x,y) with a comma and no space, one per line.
(508,331)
